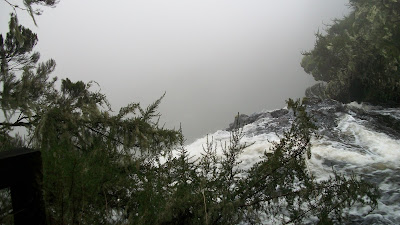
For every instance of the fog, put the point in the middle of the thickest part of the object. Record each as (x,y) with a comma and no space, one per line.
(213,58)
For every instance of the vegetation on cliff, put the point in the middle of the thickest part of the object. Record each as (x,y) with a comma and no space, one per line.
(358,56)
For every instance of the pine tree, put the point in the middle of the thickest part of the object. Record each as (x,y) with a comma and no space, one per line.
(102,167)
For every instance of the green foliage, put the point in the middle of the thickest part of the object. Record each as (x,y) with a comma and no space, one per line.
(87,150)
(28,6)
(214,189)
(6,207)
(358,56)
(102,167)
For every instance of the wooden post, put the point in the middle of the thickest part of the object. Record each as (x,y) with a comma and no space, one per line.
(21,171)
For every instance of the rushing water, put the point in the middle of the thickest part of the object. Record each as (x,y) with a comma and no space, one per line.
(354,139)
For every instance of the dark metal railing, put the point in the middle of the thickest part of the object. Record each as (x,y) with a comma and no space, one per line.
(21,171)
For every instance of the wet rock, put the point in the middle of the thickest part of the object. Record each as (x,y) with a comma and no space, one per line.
(240,121)
(369,219)
(377,120)
(326,115)
(244,119)
(279,113)
(317,91)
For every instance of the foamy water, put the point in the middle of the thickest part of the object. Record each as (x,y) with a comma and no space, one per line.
(251,155)
(370,154)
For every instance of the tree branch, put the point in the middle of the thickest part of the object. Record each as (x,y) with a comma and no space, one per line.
(15,6)
(107,136)
(16,124)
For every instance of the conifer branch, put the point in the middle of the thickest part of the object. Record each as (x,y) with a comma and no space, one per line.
(108,136)
(15,124)
(15,6)
(205,206)
(104,135)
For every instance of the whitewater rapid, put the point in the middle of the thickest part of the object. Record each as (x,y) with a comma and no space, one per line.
(353,139)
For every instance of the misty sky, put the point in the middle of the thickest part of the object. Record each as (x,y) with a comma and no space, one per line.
(213,58)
